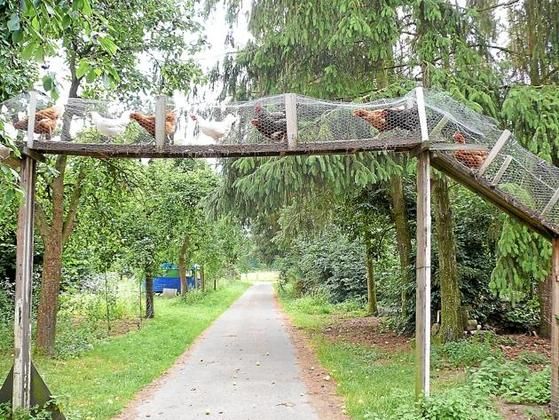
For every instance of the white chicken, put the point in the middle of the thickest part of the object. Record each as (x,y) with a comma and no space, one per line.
(217,130)
(110,127)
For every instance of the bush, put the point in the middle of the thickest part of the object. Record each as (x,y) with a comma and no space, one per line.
(513,381)
(532,358)
(455,404)
(468,352)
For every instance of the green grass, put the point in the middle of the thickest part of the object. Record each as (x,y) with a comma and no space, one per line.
(99,383)
(467,376)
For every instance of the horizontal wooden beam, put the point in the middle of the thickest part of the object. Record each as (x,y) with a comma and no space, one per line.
(502,200)
(223,150)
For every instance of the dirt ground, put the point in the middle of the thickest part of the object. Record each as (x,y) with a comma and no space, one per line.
(366,331)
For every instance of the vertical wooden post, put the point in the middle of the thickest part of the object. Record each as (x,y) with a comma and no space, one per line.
(21,394)
(423,263)
(160,115)
(291,117)
(555,330)
(31,108)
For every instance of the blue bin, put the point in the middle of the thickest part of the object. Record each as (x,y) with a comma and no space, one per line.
(160,283)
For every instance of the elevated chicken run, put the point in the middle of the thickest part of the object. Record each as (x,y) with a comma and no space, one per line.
(468,146)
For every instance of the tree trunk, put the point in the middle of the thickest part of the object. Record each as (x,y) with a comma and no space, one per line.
(53,240)
(150,309)
(202,279)
(372,308)
(452,322)
(48,301)
(182,266)
(403,236)
(544,297)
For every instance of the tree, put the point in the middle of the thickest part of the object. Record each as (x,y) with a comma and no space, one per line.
(101,45)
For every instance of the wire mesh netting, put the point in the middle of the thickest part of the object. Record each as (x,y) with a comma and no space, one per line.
(271,120)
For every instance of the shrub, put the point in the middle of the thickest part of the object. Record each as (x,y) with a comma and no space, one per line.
(469,352)
(513,381)
(455,404)
(533,358)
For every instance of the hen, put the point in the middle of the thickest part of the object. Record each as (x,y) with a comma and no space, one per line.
(272,125)
(45,122)
(110,127)
(147,122)
(470,158)
(217,130)
(389,119)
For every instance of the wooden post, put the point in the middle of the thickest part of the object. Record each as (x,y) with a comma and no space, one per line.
(31,108)
(423,263)
(21,393)
(291,117)
(555,330)
(160,114)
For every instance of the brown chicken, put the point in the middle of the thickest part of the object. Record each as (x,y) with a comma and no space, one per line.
(147,122)
(272,125)
(45,122)
(470,158)
(389,119)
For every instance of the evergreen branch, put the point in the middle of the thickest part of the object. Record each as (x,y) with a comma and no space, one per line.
(496,6)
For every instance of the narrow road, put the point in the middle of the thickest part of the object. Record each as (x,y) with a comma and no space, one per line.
(242,367)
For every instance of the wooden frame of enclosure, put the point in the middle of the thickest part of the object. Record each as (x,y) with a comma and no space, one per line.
(427,155)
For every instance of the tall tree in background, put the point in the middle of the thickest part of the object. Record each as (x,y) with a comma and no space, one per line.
(530,108)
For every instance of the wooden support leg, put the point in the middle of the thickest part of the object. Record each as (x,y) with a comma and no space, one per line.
(21,397)
(423,275)
(555,331)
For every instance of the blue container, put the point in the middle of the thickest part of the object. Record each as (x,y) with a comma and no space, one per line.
(160,283)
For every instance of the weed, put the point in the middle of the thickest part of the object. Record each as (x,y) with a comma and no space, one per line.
(465,353)
(533,358)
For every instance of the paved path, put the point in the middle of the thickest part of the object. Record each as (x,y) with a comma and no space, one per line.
(243,367)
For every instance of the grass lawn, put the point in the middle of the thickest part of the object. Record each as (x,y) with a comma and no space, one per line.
(99,383)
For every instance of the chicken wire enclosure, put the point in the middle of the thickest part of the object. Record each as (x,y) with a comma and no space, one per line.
(282,123)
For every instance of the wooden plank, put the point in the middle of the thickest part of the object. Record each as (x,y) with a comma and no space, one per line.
(21,396)
(439,127)
(552,201)
(422,114)
(34,155)
(134,151)
(31,108)
(483,188)
(291,116)
(555,329)
(505,135)
(450,147)
(501,170)
(160,108)
(423,275)
(423,264)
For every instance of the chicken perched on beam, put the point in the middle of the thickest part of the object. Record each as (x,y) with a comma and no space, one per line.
(389,119)
(217,130)
(147,122)
(408,119)
(110,127)
(470,158)
(272,125)
(45,122)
